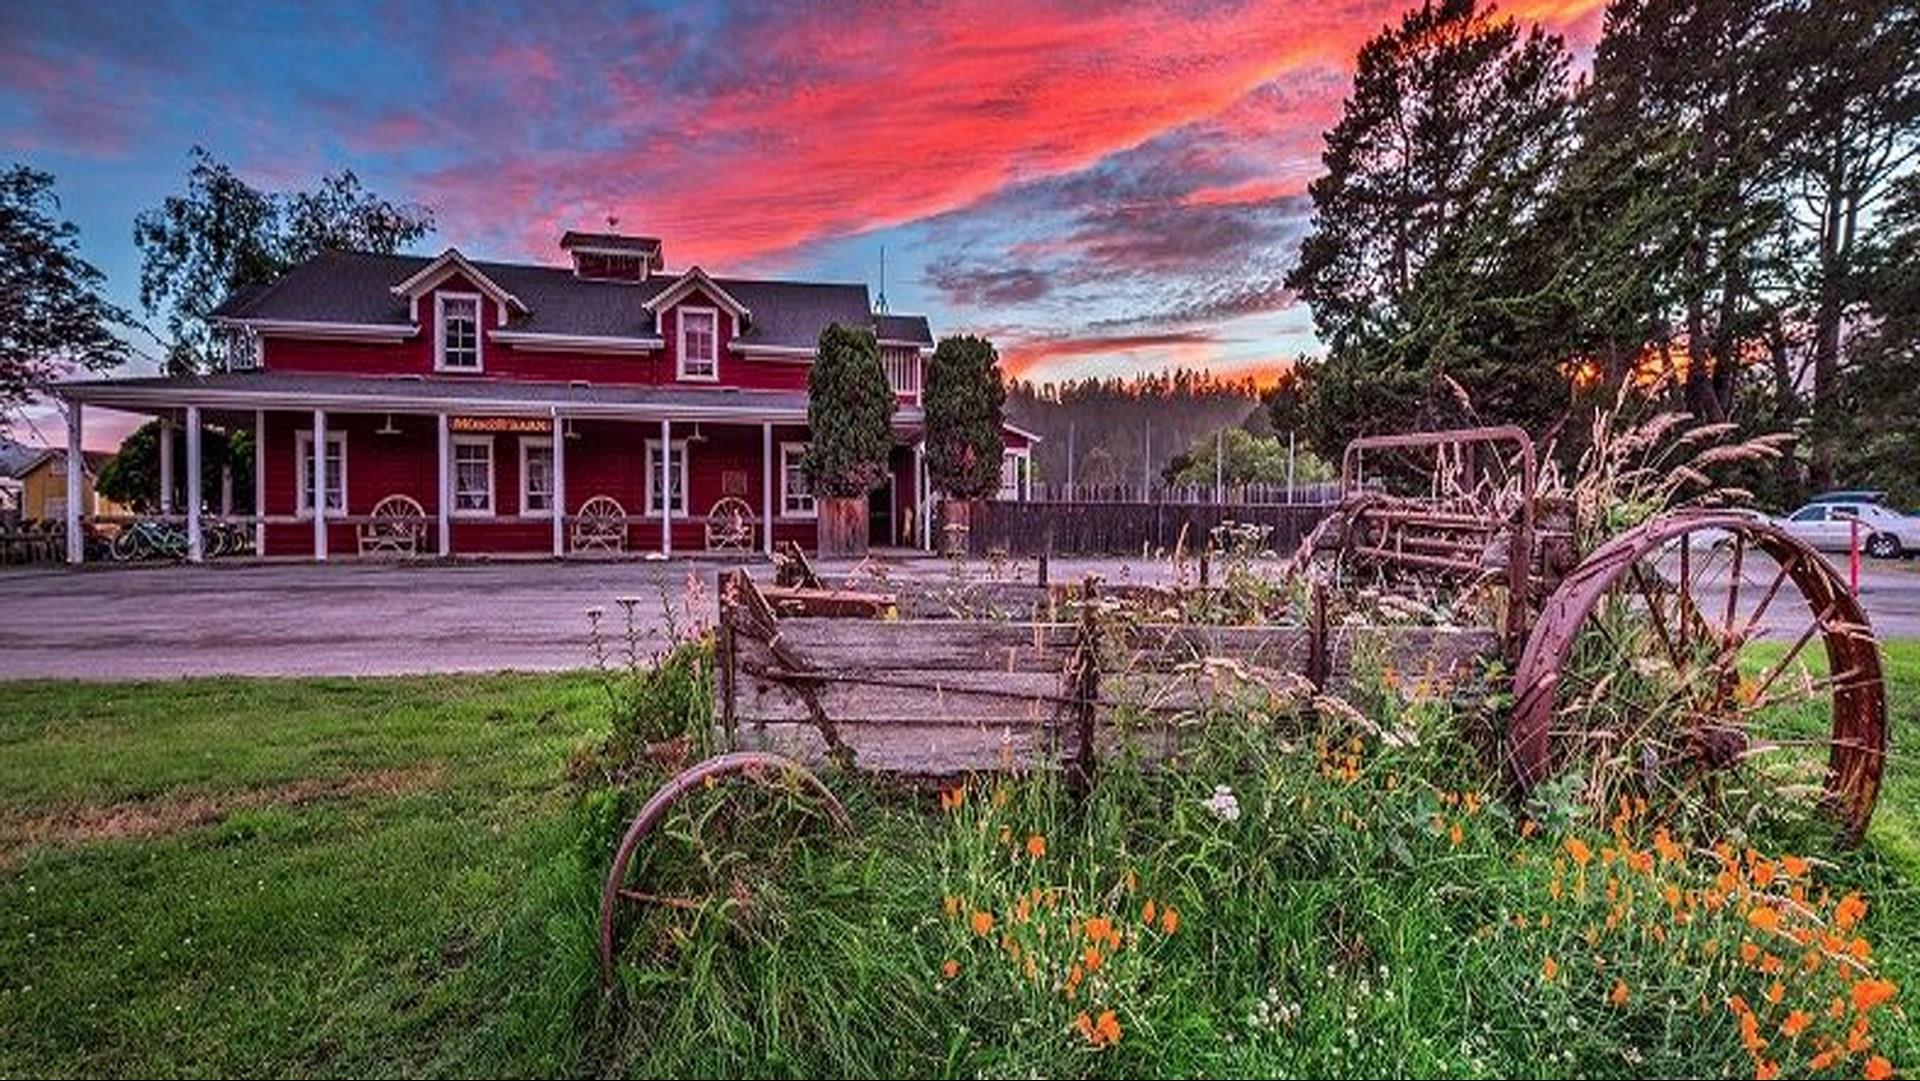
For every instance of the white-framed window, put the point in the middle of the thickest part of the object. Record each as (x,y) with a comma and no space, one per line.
(473,475)
(336,473)
(536,476)
(796,493)
(677,477)
(699,344)
(457,332)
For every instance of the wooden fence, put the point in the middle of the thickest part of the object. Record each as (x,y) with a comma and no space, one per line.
(1260,494)
(1031,528)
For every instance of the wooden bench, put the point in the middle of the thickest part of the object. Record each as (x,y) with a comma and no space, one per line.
(601,526)
(730,526)
(397,526)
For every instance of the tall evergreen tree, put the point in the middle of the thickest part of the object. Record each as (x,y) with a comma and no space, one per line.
(1458,121)
(1852,95)
(850,411)
(1701,76)
(964,400)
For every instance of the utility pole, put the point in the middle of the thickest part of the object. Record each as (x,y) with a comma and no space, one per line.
(1289,465)
(1146,466)
(1220,466)
(1070,426)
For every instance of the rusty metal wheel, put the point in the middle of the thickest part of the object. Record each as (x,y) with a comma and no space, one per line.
(1677,664)
(721,833)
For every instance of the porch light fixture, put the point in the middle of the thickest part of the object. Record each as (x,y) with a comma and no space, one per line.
(387,428)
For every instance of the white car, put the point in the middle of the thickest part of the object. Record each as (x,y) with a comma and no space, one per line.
(1829,526)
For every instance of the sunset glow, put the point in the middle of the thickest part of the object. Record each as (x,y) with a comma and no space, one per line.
(1103,189)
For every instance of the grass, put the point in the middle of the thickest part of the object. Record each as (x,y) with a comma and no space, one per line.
(267,915)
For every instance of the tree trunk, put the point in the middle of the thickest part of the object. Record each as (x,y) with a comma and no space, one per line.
(1826,344)
(956,522)
(842,526)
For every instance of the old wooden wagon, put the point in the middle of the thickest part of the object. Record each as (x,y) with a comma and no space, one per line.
(1627,672)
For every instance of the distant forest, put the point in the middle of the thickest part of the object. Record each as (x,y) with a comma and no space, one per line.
(1119,429)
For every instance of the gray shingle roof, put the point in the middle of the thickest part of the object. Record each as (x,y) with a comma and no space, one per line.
(356,287)
(903,328)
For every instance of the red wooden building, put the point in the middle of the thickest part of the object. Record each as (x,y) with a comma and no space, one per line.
(486,395)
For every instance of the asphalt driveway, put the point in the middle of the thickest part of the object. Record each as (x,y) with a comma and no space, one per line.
(116,623)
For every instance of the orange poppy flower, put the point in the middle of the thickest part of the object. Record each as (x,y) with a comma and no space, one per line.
(1849,911)
(1146,914)
(1169,920)
(1036,846)
(1765,917)
(983,923)
(1578,849)
(1795,1024)
(1108,1027)
(1869,993)
(1549,968)
(950,969)
(1619,995)
(1878,1068)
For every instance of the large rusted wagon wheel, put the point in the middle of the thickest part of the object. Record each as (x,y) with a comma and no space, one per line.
(707,853)
(1644,678)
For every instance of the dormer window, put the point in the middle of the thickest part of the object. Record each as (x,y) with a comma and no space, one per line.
(699,344)
(457,345)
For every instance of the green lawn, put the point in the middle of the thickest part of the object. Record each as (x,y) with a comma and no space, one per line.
(354,877)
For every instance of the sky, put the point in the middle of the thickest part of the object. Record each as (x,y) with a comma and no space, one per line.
(1101,188)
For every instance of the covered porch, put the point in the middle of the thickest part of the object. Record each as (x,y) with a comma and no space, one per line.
(450,468)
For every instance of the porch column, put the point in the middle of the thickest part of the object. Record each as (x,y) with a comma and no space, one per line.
(76,473)
(259,483)
(443,503)
(766,487)
(319,486)
(196,544)
(922,505)
(166,465)
(559,493)
(666,487)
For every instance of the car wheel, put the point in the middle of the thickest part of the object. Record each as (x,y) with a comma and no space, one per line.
(1883,546)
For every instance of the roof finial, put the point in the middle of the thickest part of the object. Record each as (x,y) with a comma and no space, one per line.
(880,302)
(613,222)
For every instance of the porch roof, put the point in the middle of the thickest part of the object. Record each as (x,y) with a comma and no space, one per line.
(409,394)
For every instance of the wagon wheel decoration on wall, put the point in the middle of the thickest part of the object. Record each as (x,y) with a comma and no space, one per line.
(708,855)
(1638,681)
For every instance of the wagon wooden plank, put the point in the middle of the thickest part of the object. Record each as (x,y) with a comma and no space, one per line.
(929,645)
(909,698)
(910,752)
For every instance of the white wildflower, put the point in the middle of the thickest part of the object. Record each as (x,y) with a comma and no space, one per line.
(1224,805)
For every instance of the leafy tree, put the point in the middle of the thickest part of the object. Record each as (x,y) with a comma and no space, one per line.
(52,314)
(964,401)
(132,476)
(1457,123)
(1249,459)
(223,237)
(850,411)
